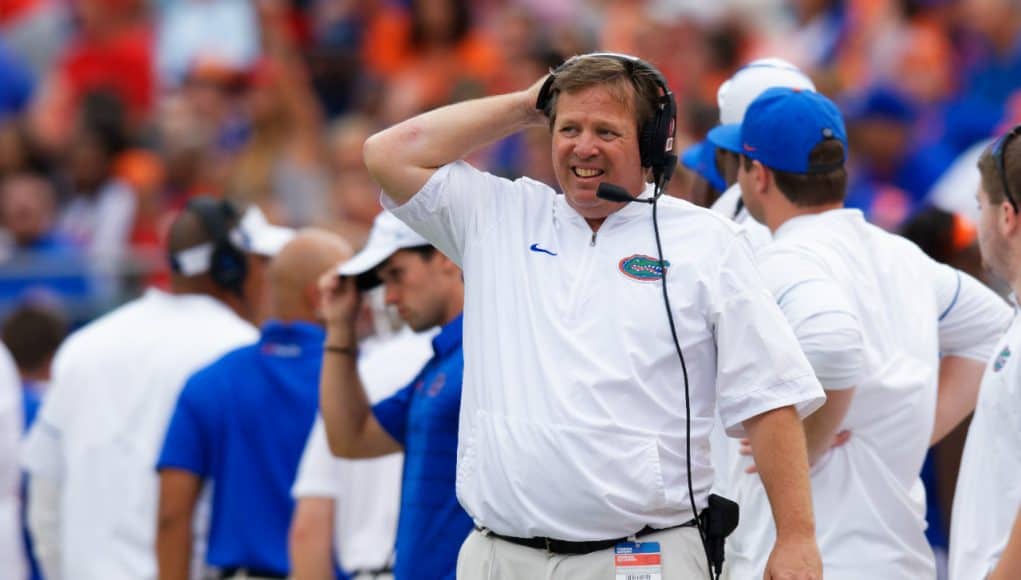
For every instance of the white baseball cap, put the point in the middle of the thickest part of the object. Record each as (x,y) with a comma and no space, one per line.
(751,80)
(260,237)
(253,234)
(388,235)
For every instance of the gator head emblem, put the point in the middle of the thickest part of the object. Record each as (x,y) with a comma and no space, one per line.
(642,268)
(1001,359)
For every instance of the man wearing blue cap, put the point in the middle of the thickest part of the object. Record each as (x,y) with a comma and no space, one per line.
(873,315)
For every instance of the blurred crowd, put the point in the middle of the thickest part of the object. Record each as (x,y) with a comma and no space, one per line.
(114,113)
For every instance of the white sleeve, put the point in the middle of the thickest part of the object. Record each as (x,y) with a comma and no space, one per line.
(972,317)
(457,204)
(43,450)
(11,426)
(760,366)
(44,524)
(318,474)
(818,311)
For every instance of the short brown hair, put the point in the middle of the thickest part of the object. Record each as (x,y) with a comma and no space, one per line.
(811,189)
(633,85)
(989,171)
(32,332)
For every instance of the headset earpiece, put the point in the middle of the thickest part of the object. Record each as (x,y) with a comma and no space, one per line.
(545,95)
(228,266)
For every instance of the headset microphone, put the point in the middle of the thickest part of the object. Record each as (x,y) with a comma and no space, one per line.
(618,194)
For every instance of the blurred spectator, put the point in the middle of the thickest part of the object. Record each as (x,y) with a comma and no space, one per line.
(100,213)
(16,83)
(112,54)
(39,259)
(281,164)
(36,31)
(891,171)
(191,31)
(354,201)
(32,333)
(991,69)
(428,54)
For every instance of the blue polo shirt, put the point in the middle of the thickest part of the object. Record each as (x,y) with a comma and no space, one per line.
(423,418)
(243,422)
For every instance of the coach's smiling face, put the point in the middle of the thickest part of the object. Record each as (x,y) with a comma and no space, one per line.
(595,139)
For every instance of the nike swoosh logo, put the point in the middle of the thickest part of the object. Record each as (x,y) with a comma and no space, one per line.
(536,248)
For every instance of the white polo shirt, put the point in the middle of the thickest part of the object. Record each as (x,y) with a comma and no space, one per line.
(101,426)
(989,482)
(873,312)
(572,420)
(12,555)
(725,449)
(367,492)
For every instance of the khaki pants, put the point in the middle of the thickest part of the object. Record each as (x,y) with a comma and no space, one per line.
(485,557)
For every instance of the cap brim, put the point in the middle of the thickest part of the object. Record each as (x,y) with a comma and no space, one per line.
(692,155)
(366,260)
(726,137)
(269,240)
(261,237)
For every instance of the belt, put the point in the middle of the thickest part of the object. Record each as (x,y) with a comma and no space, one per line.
(372,573)
(577,548)
(240,573)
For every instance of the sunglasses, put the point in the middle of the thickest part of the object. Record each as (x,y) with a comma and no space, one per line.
(1001,163)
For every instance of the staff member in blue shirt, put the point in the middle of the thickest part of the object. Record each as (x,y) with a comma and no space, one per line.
(421,419)
(242,422)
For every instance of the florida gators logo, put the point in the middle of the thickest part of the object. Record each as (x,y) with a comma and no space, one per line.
(1001,359)
(642,268)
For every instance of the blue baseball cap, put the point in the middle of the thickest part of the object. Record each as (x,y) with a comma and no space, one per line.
(781,128)
(701,158)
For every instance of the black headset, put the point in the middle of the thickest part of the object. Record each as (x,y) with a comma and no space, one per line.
(228,266)
(655,136)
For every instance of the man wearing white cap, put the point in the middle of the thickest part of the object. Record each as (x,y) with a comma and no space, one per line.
(90,455)
(242,422)
(421,419)
(733,98)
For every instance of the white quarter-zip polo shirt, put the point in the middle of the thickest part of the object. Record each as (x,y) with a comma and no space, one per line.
(115,383)
(873,312)
(988,494)
(572,417)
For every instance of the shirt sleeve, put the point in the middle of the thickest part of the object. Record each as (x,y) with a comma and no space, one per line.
(392,412)
(759,365)
(821,316)
(42,452)
(317,472)
(187,442)
(457,204)
(972,317)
